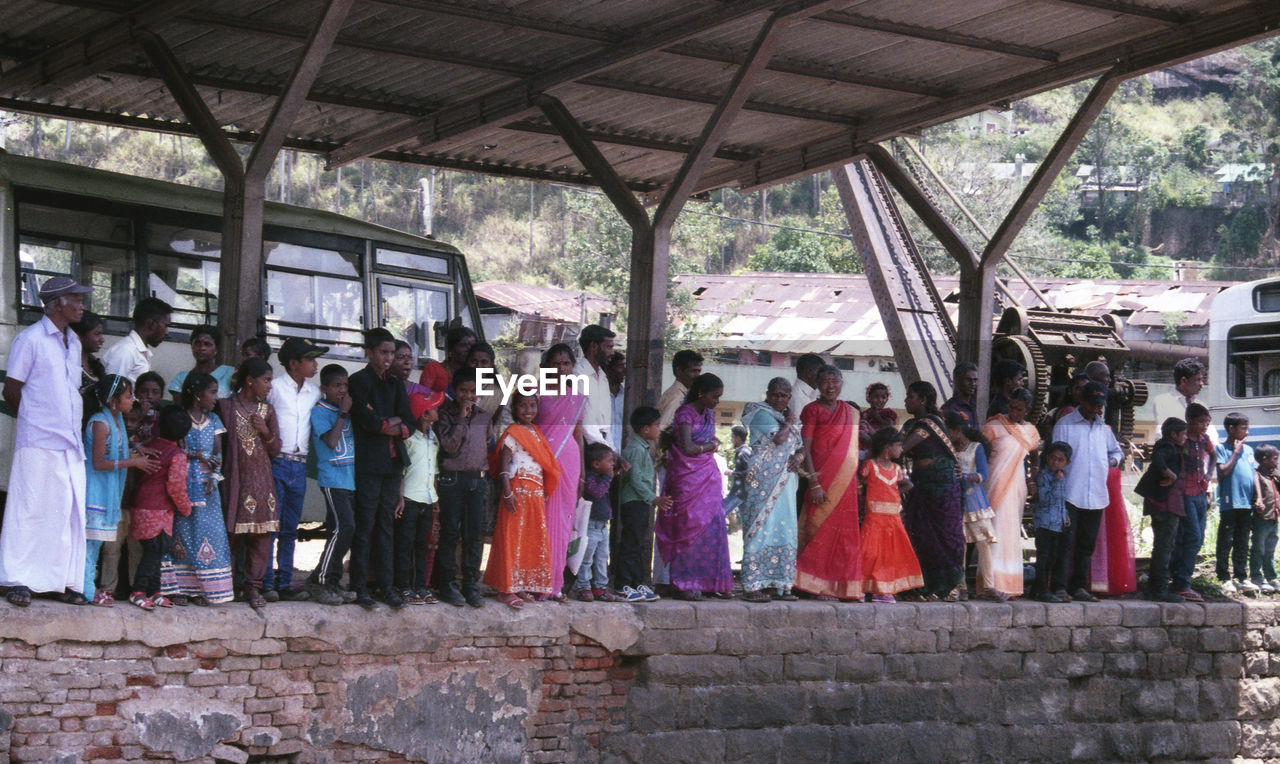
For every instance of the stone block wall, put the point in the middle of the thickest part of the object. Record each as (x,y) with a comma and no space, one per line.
(669,681)
(1112,681)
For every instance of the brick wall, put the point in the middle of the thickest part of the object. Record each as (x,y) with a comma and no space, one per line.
(670,681)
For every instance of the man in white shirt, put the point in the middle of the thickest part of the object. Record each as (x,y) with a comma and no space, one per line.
(292,395)
(131,356)
(616,369)
(686,365)
(596,343)
(1188,381)
(805,389)
(42,544)
(1094,451)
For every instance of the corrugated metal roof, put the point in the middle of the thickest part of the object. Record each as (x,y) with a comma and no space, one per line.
(549,302)
(835,314)
(856,71)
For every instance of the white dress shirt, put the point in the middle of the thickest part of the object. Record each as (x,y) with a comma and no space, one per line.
(802,394)
(1093,449)
(293,404)
(617,402)
(1174,404)
(47,362)
(597,417)
(130,357)
(670,402)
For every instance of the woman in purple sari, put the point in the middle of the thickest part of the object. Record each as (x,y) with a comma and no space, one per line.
(560,419)
(691,534)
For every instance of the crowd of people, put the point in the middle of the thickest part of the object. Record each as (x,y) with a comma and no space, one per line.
(201,497)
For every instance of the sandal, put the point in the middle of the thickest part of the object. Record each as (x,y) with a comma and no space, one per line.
(73,598)
(826,598)
(787,596)
(142,601)
(512,601)
(427,597)
(994,595)
(757,596)
(526,596)
(721,595)
(159,600)
(104,599)
(255,599)
(198,600)
(690,595)
(180,600)
(19,596)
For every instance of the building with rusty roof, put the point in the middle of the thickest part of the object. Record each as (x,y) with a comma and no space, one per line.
(540,316)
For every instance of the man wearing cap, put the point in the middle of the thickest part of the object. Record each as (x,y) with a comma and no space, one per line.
(293,395)
(1094,451)
(42,544)
(131,356)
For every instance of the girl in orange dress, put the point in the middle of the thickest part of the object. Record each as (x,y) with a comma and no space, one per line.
(520,559)
(889,563)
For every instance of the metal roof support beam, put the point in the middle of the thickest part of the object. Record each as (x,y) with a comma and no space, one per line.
(94,50)
(1128,8)
(934,220)
(509,101)
(973,327)
(1047,172)
(621,139)
(244,187)
(958,39)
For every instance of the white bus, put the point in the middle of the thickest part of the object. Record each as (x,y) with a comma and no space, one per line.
(1244,358)
(325,276)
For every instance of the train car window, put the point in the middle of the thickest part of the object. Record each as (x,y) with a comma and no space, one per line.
(316,293)
(109,270)
(411,310)
(75,224)
(1266,298)
(1253,358)
(183,271)
(410,261)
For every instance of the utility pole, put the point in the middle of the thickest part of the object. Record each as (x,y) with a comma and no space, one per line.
(428,185)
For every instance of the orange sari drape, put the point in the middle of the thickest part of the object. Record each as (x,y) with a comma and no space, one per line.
(830,560)
(520,558)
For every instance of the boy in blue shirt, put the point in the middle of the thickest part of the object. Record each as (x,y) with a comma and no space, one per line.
(1237,493)
(1053,525)
(333,444)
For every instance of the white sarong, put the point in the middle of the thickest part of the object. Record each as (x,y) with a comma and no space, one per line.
(42,543)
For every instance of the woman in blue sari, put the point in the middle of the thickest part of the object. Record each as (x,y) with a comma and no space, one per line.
(769,511)
(691,534)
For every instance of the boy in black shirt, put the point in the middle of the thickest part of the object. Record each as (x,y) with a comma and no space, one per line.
(380,418)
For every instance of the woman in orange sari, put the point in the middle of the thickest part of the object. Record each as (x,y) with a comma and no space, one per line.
(830,560)
(520,559)
(1012,440)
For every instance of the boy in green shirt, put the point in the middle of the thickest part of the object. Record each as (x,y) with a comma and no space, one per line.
(638,496)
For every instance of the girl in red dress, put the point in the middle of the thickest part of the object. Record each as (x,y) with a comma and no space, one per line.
(889,563)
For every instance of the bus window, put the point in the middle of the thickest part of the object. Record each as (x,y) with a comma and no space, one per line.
(410,310)
(315,293)
(1253,360)
(94,249)
(409,261)
(183,264)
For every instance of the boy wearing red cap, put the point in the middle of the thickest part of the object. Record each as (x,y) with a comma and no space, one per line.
(418,501)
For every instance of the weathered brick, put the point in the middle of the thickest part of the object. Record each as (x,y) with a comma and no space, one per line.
(1066,614)
(1027,613)
(1139,613)
(1220,639)
(1186,614)
(1103,614)
(727,615)
(1223,614)
(688,669)
(989,615)
(809,667)
(669,614)
(860,668)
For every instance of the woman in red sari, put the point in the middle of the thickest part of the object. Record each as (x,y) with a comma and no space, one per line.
(830,560)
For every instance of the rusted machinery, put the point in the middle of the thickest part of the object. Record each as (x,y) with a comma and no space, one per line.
(1053,346)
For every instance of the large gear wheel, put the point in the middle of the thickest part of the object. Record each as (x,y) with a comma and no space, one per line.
(1028,354)
(1133,394)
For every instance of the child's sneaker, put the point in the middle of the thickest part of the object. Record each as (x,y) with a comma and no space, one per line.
(629,594)
(649,594)
(584,595)
(604,595)
(1249,588)
(1270,587)
(1229,588)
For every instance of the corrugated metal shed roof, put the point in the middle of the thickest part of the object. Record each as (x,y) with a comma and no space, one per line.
(460,74)
(549,302)
(835,314)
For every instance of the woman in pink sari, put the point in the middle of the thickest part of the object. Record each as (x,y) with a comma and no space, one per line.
(560,419)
